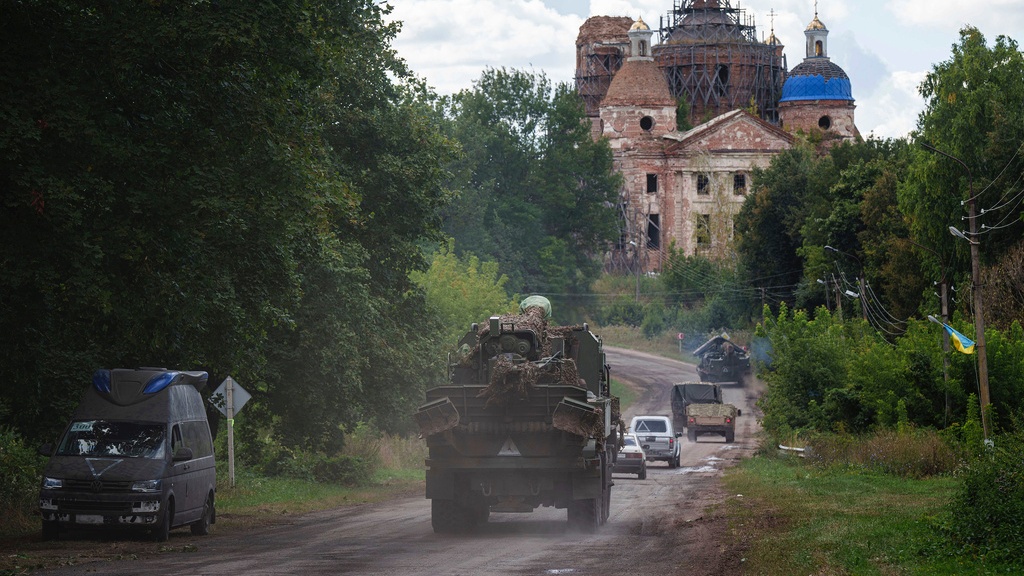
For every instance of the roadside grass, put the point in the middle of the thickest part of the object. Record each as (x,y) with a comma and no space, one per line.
(255,496)
(787,516)
(625,392)
(633,338)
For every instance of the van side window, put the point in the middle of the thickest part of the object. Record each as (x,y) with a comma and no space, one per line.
(176,439)
(197,437)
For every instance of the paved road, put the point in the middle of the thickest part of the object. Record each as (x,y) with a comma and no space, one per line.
(653,527)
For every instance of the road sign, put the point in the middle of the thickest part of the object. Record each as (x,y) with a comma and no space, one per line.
(239,397)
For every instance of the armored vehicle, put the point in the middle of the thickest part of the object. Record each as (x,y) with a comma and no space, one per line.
(526,419)
(722,361)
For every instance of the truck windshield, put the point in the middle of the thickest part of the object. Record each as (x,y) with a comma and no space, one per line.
(112,438)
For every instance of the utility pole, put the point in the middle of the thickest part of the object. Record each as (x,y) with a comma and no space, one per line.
(979,315)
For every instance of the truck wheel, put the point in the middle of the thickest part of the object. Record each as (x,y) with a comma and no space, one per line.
(730,437)
(480,511)
(606,506)
(584,515)
(673,461)
(447,517)
(691,435)
(51,530)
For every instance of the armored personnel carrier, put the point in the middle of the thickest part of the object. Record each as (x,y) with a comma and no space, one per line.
(526,419)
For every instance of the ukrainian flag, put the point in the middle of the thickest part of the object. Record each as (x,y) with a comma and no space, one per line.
(960,342)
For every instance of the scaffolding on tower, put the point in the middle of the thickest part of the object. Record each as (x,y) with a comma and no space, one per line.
(710,54)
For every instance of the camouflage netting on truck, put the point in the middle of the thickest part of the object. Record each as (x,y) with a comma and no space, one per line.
(513,380)
(513,376)
(583,423)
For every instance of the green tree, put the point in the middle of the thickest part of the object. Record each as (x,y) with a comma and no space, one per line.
(463,290)
(236,187)
(536,193)
(972,113)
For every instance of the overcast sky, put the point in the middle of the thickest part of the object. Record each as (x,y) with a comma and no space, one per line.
(885,46)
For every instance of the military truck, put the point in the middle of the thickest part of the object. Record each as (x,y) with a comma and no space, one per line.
(686,393)
(718,419)
(722,361)
(525,419)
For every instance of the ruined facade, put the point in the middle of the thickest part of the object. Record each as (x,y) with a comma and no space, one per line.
(684,188)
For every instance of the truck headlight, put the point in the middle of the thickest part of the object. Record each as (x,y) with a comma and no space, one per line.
(52,483)
(146,486)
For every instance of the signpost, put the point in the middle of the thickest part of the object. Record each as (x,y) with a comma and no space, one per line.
(229,398)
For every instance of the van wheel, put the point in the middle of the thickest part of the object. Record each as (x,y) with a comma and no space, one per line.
(201,527)
(51,530)
(163,531)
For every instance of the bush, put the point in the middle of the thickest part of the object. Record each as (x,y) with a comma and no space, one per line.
(985,516)
(909,453)
(20,471)
(316,467)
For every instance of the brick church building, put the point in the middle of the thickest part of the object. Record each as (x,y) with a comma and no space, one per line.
(683,187)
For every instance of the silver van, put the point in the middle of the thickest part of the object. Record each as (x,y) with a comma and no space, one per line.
(137,454)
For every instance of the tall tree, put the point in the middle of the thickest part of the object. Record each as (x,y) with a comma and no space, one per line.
(972,113)
(536,193)
(231,186)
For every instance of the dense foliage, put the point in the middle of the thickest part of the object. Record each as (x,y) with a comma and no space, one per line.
(536,193)
(230,186)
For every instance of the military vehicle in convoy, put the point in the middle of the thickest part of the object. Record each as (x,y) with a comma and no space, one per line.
(698,409)
(526,419)
(722,361)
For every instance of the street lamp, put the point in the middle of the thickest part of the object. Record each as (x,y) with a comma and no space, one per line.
(860,280)
(979,315)
(825,284)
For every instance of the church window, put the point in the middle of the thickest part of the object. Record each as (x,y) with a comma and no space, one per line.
(646,123)
(721,80)
(702,230)
(703,184)
(653,232)
(652,183)
(739,184)
(818,48)
(643,48)
(824,122)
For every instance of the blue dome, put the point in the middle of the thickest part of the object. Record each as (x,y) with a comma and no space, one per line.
(817,79)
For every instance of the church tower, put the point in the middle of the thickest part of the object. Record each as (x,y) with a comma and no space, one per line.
(638,105)
(817,95)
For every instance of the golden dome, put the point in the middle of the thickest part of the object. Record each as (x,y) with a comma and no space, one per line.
(773,40)
(816,24)
(639,25)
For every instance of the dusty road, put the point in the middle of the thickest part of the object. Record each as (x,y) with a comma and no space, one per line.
(661,525)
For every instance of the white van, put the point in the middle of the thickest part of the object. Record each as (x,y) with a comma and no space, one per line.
(137,453)
(658,438)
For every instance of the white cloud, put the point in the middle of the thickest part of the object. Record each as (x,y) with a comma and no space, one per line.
(450,42)
(993,17)
(891,111)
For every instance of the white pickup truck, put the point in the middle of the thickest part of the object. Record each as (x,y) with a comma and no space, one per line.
(658,438)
